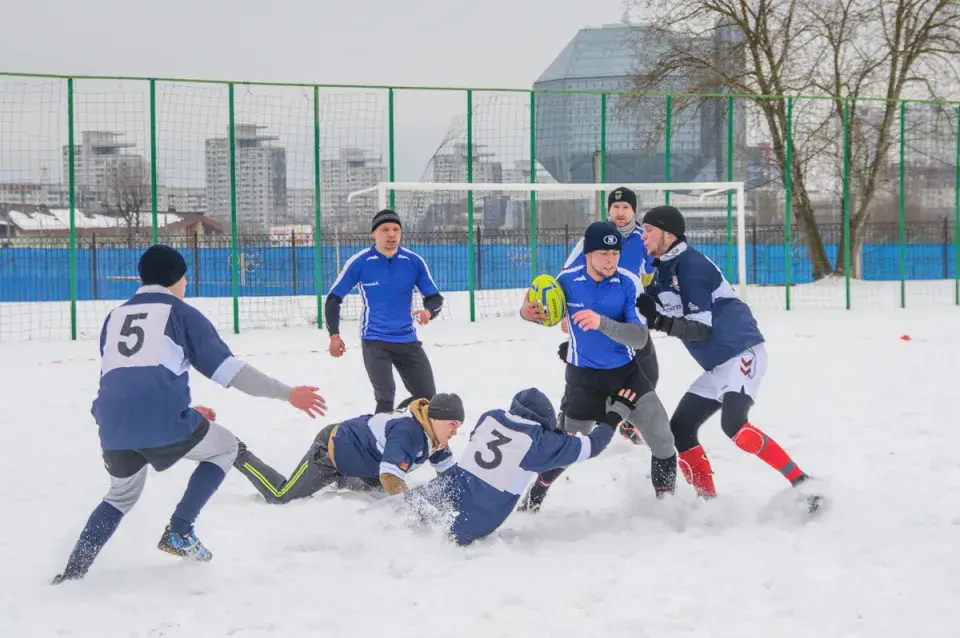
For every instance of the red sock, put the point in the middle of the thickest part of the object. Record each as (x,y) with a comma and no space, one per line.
(697,470)
(751,440)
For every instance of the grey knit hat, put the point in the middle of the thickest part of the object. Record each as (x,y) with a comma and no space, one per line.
(446,406)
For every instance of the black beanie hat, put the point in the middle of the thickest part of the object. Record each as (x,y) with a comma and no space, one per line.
(666,218)
(446,406)
(162,266)
(601,236)
(385,216)
(622,194)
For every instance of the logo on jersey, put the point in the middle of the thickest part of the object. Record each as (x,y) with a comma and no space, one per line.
(692,307)
(610,240)
(748,364)
(675,283)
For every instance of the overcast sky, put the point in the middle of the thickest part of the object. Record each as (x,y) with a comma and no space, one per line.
(494,43)
(451,42)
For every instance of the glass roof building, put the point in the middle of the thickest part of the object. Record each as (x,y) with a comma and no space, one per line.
(571,129)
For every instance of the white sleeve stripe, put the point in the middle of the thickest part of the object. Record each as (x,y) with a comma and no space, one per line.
(567,271)
(576,252)
(346,267)
(390,468)
(227,371)
(445,464)
(425,267)
(705,317)
(585,448)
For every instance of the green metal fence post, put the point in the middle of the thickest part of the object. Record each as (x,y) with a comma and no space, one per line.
(788,185)
(533,180)
(903,208)
(729,193)
(471,249)
(602,197)
(153,158)
(956,220)
(390,142)
(71,171)
(318,246)
(846,199)
(667,159)
(234,249)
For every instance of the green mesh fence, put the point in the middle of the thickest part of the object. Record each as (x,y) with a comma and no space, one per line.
(848,204)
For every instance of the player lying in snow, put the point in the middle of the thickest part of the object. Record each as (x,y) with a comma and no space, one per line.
(378,449)
(507,449)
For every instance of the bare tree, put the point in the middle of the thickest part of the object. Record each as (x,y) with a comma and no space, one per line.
(849,51)
(128,191)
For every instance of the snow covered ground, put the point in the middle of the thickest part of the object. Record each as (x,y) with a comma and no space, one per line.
(873,415)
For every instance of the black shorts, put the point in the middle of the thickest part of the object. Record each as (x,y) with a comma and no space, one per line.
(126,463)
(587,391)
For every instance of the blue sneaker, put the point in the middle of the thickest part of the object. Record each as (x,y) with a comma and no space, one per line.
(185,546)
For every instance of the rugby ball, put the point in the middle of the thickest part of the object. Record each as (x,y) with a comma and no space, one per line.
(546,290)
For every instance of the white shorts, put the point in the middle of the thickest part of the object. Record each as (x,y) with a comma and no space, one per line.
(743,372)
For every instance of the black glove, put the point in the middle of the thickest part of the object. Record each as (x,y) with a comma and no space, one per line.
(647,307)
(562,350)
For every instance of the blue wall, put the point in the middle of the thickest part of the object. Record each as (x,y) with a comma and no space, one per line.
(38,274)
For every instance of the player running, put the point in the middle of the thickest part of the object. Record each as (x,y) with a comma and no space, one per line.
(379,450)
(605,331)
(147,346)
(507,449)
(387,273)
(690,299)
(621,210)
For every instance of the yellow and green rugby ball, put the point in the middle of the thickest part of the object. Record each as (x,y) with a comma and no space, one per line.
(546,290)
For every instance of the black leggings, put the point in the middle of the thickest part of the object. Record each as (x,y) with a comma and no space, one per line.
(693,411)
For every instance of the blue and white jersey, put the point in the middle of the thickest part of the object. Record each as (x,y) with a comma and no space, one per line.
(633,258)
(505,453)
(687,284)
(614,297)
(386,443)
(147,345)
(386,288)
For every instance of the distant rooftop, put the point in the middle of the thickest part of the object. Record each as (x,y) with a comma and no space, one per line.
(595,52)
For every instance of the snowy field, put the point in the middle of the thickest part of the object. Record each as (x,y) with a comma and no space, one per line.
(873,415)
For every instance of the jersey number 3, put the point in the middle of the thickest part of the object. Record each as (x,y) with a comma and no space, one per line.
(495,453)
(494,446)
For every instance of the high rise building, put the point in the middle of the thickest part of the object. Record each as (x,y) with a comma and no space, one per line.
(261,178)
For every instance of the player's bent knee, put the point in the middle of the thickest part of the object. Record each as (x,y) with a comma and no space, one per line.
(749,439)
(650,417)
(735,412)
(219,447)
(125,492)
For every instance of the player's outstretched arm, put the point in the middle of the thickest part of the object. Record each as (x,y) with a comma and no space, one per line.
(251,381)
(683,328)
(212,358)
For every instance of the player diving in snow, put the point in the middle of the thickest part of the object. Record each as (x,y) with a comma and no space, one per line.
(507,449)
(605,331)
(379,450)
(143,411)
(621,211)
(690,299)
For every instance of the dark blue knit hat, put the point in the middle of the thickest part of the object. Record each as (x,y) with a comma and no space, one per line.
(161,265)
(534,405)
(601,236)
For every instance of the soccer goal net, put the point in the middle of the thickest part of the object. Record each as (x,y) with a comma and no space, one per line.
(485,242)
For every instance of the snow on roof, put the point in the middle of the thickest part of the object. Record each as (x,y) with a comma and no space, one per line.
(59,219)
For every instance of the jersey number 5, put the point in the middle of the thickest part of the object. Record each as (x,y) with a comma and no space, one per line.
(493,446)
(129,329)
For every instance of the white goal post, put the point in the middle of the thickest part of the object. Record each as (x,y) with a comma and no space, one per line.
(706,189)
